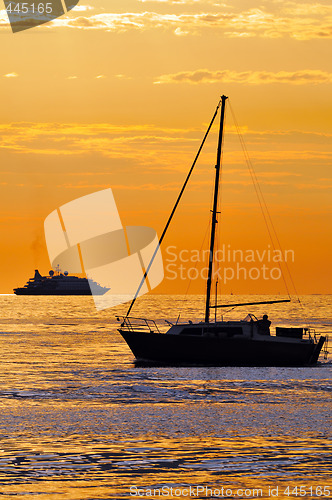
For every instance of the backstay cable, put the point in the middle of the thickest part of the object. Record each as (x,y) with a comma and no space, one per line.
(263,206)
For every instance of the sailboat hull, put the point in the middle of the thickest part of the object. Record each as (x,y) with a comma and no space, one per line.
(189,349)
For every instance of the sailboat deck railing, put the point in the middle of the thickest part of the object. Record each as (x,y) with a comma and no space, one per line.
(138,324)
(326,349)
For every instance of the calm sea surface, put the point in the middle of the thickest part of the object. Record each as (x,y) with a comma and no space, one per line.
(79,421)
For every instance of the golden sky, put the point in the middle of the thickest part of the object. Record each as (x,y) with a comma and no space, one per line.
(119,94)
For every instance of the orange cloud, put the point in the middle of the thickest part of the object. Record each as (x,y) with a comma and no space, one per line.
(151,144)
(301,77)
(11,75)
(272,20)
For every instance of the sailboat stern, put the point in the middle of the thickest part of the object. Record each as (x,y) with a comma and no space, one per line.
(316,352)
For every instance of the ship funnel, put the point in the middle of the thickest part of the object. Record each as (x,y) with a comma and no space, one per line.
(37,276)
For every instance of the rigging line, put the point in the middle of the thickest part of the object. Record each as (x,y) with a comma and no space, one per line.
(218,229)
(266,219)
(271,222)
(207,231)
(261,200)
(268,213)
(173,211)
(196,263)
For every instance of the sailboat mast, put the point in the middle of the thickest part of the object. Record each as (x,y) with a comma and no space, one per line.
(214,211)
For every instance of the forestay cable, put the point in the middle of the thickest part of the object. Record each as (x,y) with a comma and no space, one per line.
(173,211)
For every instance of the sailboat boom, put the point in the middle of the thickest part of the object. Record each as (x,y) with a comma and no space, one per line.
(250,303)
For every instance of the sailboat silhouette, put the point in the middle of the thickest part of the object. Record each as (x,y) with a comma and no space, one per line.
(238,343)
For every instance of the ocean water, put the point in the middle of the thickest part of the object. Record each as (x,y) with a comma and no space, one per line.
(78,420)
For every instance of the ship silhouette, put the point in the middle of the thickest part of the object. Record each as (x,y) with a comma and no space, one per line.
(58,283)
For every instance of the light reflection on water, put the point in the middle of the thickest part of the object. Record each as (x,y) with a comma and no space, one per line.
(79,421)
